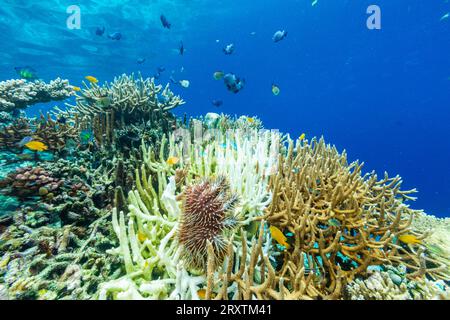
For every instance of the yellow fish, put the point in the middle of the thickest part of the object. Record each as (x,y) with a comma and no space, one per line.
(218,75)
(251,120)
(409,239)
(91,79)
(202,294)
(172,160)
(278,236)
(141,236)
(302,136)
(275,89)
(36,146)
(75,88)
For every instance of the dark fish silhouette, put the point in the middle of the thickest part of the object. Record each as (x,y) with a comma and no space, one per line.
(233,83)
(165,22)
(217,103)
(140,60)
(181,48)
(100,31)
(115,36)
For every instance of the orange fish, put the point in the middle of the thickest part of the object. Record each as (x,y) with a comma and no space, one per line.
(36,146)
(202,294)
(278,236)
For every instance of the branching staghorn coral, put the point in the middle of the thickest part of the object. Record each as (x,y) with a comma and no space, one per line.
(128,100)
(392,284)
(342,221)
(19,94)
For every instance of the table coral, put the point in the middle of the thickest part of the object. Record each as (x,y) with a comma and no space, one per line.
(19,94)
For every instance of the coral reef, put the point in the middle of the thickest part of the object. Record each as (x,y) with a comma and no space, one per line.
(18,94)
(31,182)
(133,203)
(124,103)
(392,284)
(342,221)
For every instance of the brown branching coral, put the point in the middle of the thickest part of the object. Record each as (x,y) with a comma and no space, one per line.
(247,273)
(342,221)
(12,134)
(205,217)
(52,133)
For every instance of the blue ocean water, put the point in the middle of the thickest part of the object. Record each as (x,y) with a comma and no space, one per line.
(383,95)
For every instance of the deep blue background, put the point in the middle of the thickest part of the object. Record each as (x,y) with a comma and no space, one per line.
(382,95)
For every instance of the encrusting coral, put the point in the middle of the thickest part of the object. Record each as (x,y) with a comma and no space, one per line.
(29,182)
(19,94)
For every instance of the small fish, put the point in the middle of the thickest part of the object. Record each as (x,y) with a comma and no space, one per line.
(100,31)
(409,239)
(172,161)
(250,120)
(229,49)
(25,156)
(24,141)
(160,69)
(252,33)
(279,35)
(217,103)
(75,88)
(275,90)
(233,83)
(218,75)
(302,136)
(115,36)
(278,236)
(184,83)
(165,22)
(141,236)
(181,48)
(202,294)
(103,101)
(86,136)
(334,222)
(172,79)
(91,79)
(27,72)
(445,16)
(140,60)
(36,146)
(62,120)
(314,3)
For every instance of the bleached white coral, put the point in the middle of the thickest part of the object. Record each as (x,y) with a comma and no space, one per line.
(148,242)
